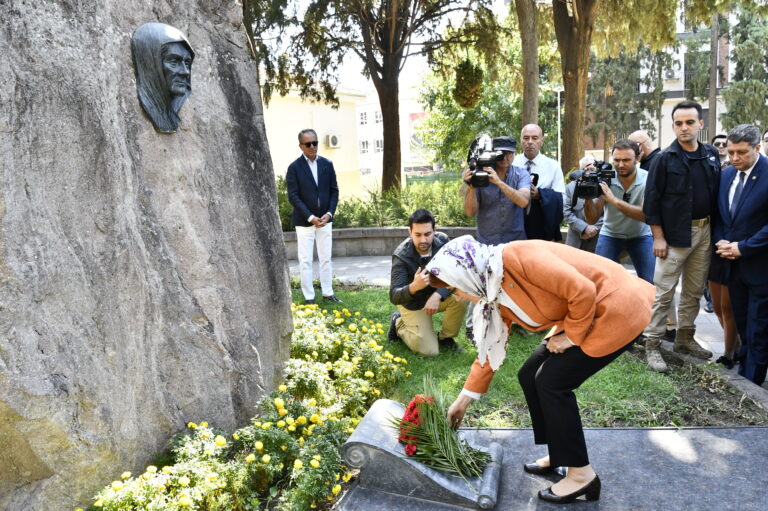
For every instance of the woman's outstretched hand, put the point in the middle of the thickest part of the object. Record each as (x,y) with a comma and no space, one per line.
(457,410)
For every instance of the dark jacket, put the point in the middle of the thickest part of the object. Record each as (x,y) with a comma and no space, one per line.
(545,216)
(669,192)
(646,162)
(749,224)
(405,262)
(310,198)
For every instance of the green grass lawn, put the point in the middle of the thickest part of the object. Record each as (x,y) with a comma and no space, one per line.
(625,393)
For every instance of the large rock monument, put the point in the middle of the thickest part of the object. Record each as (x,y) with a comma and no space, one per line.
(143,280)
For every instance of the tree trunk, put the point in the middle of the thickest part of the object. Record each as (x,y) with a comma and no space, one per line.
(574,40)
(526,22)
(713,72)
(388,89)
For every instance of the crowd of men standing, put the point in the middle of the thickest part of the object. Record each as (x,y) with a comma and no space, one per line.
(692,213)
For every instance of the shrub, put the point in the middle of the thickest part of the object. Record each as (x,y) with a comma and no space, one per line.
(289,457)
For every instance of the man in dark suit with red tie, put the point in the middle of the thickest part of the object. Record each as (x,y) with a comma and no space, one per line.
(314,194)
(741,232)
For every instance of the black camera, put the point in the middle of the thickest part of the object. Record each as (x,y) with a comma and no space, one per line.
(481,154)
(588,185)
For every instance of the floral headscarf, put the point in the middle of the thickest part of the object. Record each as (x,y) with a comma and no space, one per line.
(477,269)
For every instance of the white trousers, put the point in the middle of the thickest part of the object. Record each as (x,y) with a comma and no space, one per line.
(305,240)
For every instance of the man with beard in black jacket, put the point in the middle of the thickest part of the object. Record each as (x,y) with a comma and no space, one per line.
(416,300)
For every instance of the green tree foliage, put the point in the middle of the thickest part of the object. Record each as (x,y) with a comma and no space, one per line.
(747,95)
(622,88)
(301,44)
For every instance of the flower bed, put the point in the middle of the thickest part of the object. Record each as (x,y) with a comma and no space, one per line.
(288,457)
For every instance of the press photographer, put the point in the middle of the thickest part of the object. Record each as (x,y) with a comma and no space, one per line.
(497,193)
(624,226)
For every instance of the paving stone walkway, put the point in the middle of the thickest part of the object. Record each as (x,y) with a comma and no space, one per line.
(696,469)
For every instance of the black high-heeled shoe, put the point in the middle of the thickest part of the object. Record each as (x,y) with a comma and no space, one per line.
(591,491)
(536,469)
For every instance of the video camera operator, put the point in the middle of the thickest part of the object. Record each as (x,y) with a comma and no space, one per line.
(499,206)
(624,226)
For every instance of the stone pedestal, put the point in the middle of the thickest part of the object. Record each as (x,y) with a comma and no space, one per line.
(387,473)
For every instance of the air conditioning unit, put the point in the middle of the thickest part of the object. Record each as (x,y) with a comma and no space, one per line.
(332,140)
(670,74)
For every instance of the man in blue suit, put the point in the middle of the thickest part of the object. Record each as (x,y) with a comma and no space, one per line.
(741,232)
(314,194)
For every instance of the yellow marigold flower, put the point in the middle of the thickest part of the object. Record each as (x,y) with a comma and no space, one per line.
(280,424)
(350,430)
(282,388)
(266,458)
(191,425)
(235,436)
(372,344)
(338,321)
(284,447)
(330,497)
(257,424)
(379,325)
(345,310)
(347,372)
(291,428)
(328,366)
(315,354)
(301,440)
(314,418)
(98,503)
(203,424)
(185,501)
(281,466)
(369,374)
(301,420)
(346,477)
(125,475)
(117,485)
(313,506)
(212,477)
(376,392)
(266,425)
(363,389)
(336,489)
(279,403)
(289,420)
(364,329)
(183,481)
(353,327)
(357,313)
(315,463)
(312,402)
(282,411)
(167,470)
(379,331)
(336,477)
(220,441)
(206,435)
(208,452)
(407,373)
(250,458)
(259,446)
(298,464)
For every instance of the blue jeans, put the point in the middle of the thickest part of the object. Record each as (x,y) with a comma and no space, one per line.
(640,251)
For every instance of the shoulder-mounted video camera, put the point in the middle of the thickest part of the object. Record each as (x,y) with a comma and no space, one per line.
(481,154)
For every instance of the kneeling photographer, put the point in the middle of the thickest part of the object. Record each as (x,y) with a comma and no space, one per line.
(497,193)
(624,226)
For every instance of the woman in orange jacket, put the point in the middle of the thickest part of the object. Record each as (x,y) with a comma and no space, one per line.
(593,309)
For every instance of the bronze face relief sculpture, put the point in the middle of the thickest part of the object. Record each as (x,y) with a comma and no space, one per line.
(162,59)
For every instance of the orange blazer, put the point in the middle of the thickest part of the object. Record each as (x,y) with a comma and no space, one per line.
(600,305)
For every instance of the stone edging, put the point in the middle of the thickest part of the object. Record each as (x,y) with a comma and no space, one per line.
(369,241)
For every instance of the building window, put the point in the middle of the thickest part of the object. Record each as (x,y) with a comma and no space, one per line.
(363,146)
(377,117)
(378,146)
(363,118)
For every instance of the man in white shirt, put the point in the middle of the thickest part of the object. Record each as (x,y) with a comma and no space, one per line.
(545,211)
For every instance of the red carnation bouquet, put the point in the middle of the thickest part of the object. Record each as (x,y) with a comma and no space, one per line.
(430,440)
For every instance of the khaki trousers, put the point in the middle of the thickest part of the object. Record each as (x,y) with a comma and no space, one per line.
(416,330)
(690,264)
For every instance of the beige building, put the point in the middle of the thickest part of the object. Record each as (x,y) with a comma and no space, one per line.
(336,129)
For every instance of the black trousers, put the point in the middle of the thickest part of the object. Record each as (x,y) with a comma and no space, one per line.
(750,309)
(548,381)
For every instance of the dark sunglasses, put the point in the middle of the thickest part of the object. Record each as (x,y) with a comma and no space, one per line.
(309,144)
(720,144)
